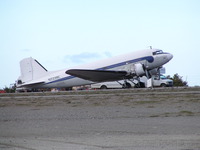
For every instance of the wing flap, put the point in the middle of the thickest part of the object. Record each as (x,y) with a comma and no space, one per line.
(98,75)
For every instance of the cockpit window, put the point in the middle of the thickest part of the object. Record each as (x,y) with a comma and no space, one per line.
(158,52)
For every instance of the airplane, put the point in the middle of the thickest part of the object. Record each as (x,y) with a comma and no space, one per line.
(124,67)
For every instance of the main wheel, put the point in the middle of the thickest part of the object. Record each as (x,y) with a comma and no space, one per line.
(126,85)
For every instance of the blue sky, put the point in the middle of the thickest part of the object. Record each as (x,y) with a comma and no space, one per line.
(65,33)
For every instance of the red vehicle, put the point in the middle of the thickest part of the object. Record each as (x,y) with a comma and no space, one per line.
(2,91)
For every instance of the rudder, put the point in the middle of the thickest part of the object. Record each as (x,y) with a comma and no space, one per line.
(31,69)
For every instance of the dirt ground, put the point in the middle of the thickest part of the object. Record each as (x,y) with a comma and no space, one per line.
(139,119)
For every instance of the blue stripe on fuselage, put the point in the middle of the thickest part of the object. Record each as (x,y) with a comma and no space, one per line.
(150,59)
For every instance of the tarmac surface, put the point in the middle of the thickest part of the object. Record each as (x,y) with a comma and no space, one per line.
(130,119)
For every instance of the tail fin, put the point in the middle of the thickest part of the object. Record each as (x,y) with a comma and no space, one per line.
(31,69)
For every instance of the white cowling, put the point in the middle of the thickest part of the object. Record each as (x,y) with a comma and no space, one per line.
(138,69)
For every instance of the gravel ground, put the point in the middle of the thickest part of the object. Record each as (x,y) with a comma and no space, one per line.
(139,119)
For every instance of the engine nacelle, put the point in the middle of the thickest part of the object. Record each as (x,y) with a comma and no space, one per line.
(138,69)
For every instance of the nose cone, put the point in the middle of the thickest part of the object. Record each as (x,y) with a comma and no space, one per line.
(169,57)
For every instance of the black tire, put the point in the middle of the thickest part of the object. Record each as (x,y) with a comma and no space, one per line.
(163,85)
(137,86)
(142,84)
(126,85)
(103,87)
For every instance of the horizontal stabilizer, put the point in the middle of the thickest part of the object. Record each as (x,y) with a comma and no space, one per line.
(98,75)
(31,84)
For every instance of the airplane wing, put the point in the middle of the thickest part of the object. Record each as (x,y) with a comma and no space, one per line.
(98,75)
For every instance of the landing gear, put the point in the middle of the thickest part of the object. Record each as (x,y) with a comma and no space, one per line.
(149,79)
(137,83)
(140,85)
(126,85)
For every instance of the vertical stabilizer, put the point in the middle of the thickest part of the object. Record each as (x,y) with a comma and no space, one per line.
(31,69)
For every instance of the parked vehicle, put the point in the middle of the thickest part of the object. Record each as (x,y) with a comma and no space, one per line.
(157,81)
(113,85)
(2,91)
(161,81)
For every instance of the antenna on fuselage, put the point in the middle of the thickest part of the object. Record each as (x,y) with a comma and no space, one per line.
(149,47)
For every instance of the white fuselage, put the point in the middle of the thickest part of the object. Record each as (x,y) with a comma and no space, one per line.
(123,62)
(151,58)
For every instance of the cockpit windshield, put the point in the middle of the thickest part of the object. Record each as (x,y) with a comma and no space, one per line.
(163,77)
(158,52)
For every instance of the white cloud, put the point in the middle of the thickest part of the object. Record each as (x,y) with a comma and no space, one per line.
(85,57)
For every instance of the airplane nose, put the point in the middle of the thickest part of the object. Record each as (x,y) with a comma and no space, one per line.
(170,56)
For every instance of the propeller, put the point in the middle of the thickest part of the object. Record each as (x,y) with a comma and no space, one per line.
(146,71)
